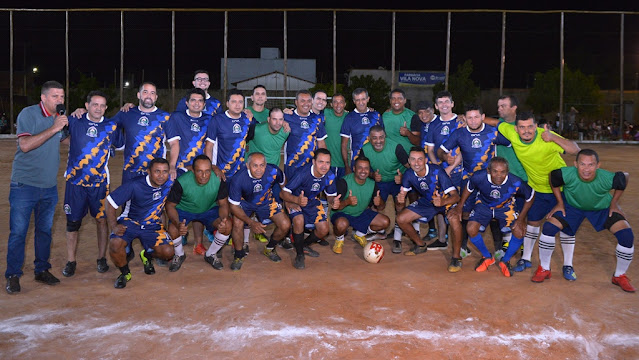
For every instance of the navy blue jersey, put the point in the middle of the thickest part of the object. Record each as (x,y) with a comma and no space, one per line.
(229,136)
(212,106)
(255,191)
(190,132)
(439,131)
(89,151)
(147,202)
(477,148)
(302,141)
(435,182)
(144,135)
(304,180)
(423,132)
(356,127)
(498,195)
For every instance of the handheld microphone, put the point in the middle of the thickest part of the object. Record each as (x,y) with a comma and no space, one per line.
(62,110)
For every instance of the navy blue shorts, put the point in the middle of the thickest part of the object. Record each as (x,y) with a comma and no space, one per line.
(574,217)
(544,202)
(150,235)
(78,200)
(426,210)
(207,218)
(262,212)
(483,214)
(388,188)
(313,213)
(359,223)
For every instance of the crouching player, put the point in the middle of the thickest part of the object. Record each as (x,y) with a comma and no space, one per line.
(586,194)
(430,182)
(356,208)
(141,219)
(495,199)
(199,196)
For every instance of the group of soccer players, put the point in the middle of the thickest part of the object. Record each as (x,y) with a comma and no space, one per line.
(223,175)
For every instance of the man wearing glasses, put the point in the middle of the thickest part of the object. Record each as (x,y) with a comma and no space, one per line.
(202,81)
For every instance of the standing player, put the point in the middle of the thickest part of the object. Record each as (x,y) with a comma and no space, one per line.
(357,204)
(422,120)
(334,118)
(258,106)
(397,118)
(201,80)
(87,177)
(496,189)
(301,195)
(586,194)
(251,193)
(198,196)
(357,124)
(141,219)
(436,192)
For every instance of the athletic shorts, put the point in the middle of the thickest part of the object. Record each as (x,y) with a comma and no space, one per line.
(78,200)
(483,214)
(426,210)
(388,188)
(574,217)
(470,202)
(313,213)
(544,202)
(262,212)
(456,179)
(207,218)
(359,223)
(150,235)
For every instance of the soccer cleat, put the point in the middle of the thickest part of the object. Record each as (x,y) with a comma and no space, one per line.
(540,275)
(46,277)
(416,250)
(69,269)
(214,262)
(102,265)
(438,245)
(286,244)
(260,237)
(120,282)
(376,236)
(337,247)
(148,263)
(310,252)
(455,265)
(622,281)
(245,248)
(522,265)
(397,247)
(322,242)
(465,252)
(176,262)
(432,233)
(499,254)
(569,273)
(505,268)
(199,250)
(13,284)
(360,240)
(299,262)
(271,254)
(484,263)
(236,265)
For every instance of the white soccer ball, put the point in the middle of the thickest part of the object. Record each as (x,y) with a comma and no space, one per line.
(373,252)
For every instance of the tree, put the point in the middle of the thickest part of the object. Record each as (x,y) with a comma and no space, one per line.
(378,90)
(79,91)
(463,88)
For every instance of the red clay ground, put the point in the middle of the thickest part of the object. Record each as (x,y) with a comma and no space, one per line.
(339,307)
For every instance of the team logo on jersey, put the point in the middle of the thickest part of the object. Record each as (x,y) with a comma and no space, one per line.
(365,121)
(237,129)
(92,131)
(495,194)
(157,195)
(423,185)
(426,126)
(257,188)
(476,143)
(445,130)
(143,121)
(67,209)
(315,187)
(304,124)
(195,127)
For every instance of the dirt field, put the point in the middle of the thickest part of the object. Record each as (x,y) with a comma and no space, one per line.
(339,307)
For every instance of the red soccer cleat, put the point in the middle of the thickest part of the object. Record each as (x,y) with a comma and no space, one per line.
(623,282)
(540,275)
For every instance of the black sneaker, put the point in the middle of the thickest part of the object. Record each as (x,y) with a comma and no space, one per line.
(245,248)
(438,245)
(13,284)
(102,265)
(120,282)
(286,244)
(69,269)
(299,262)
(214,261)
(46,277)
(455,265)
(416,250)
(397,247)
(148,263)
(236,265)
(322,242)
(176,262)
(272,255)
(310,252)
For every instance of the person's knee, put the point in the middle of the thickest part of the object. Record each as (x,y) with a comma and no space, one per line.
(384,221)
(116,245)
(321,229)
(164,252)
(73,226)
(550,229)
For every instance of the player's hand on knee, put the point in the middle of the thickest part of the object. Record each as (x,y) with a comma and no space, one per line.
(225,226)
(119,230)
(557,208)
(257,227)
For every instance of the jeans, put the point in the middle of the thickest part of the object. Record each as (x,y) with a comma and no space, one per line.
(23,200)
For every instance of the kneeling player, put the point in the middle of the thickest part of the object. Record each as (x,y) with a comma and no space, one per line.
(199,196)
(354,209)
(586,194)
(141,220)
(496,189)
(251,192)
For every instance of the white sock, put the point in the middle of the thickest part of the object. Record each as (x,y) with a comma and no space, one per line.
(177,246)
(369,231)
(397,235)
(546,247)
(247,232)
(624,258)
(339,238)
(359,233)
(529,241)
(220,240)
(568,247)
(416,226)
